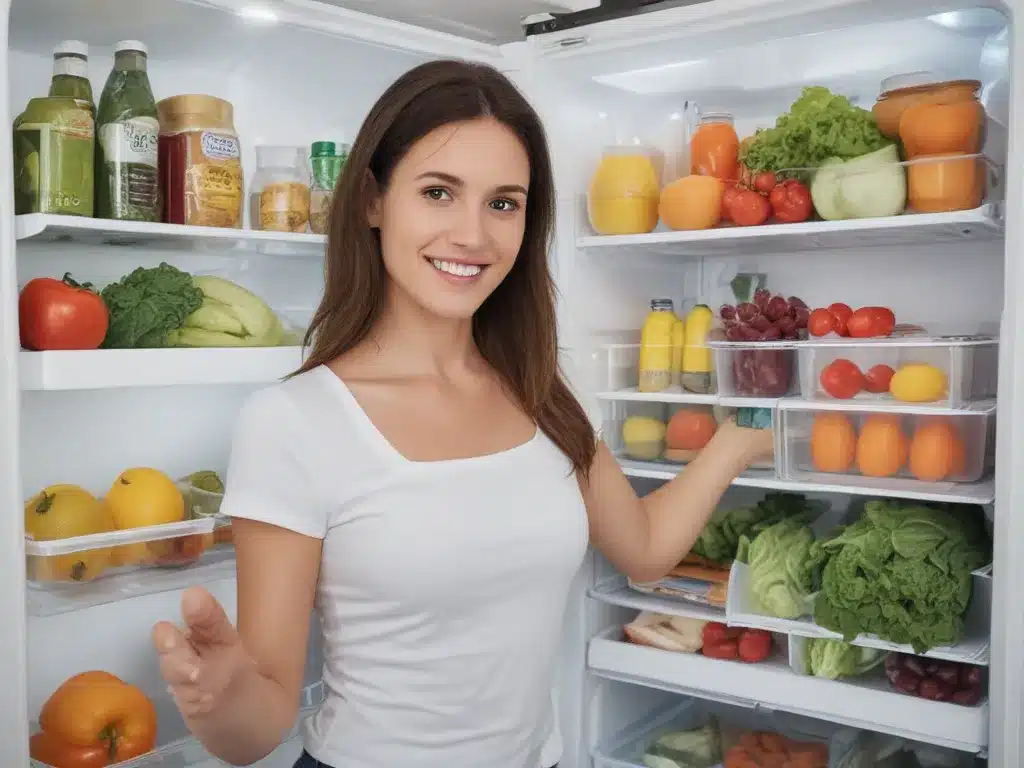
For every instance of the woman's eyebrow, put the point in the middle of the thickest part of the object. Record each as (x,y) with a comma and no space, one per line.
(455,181)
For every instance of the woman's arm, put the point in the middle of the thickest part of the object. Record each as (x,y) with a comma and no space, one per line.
(263,661)
(645,538)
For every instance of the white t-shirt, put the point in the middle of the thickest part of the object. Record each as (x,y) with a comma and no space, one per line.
(442,584)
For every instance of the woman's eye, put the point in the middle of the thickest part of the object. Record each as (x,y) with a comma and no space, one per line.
(436,193)
(505,206)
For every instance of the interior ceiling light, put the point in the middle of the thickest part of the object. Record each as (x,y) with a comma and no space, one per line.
(260,13)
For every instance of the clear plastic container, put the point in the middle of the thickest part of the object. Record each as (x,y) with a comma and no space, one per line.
(617,366)
(756,369)
(920,448)
(960,369)
(199,502)
(625,191)
(280,194)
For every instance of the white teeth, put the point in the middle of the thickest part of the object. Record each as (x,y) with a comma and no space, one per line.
(454,268)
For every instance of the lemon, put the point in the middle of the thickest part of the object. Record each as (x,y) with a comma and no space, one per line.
(644,437)
(918,383)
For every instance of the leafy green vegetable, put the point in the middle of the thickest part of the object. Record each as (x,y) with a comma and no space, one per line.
(147,304)
(870,185)
(819,125)
(782,568)
(833,659)
(902,572)
(720,539)
(699,748)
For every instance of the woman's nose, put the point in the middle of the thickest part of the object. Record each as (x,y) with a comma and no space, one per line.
(468,229)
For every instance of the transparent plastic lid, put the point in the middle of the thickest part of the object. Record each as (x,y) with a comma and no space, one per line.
(115,538)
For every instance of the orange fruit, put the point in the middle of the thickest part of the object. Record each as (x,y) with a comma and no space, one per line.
(833,442)
(881,446)
(692,202)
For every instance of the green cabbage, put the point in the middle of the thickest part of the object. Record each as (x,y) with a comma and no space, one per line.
(720,539)
(782,569)
(833,659)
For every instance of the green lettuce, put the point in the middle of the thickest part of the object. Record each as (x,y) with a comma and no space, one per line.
(782,568)
(147,304)
(819,125)
(720,539)
(832,659)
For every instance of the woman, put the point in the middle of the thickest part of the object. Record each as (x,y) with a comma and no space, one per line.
(427,479)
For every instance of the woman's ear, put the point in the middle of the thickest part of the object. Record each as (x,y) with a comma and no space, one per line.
(374,203)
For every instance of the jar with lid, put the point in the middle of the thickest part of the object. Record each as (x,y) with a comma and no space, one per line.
(715,147)
(279,200)
(624,191)
(326,159)
(200,162)
(930,116)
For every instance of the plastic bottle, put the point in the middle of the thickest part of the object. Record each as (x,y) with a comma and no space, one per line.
(655,372)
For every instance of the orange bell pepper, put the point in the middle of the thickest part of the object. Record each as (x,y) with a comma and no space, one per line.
(95,711)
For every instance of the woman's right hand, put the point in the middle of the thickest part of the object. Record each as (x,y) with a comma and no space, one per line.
(201,662)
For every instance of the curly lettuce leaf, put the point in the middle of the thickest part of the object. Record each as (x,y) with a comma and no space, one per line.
(722,537)
(147,304)
(819,125)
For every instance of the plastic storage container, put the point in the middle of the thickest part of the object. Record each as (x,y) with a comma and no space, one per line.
(925,448)
(625,191)
(945,370)
(279,199)
(616,369)
(756,369)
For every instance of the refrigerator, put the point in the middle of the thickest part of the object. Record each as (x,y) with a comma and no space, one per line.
(302,71)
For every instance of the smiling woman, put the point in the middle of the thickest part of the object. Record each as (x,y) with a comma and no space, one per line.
(428,479)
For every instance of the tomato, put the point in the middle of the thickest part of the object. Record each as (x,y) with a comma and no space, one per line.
(764,182)
(821,323)
(755,645)
(61,314)
(877,378)
(791,202)
(750,209)
(842,313)
(715,632)
(729,650)
(96,709)
(842,379)
(183,550)
(869,322)
(885,320)
(727,200)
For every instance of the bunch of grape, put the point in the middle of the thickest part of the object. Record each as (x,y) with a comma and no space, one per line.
(766,318)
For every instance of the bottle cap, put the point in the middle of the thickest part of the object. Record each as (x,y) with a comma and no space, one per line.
(72,48)
(324,149)
(131,45)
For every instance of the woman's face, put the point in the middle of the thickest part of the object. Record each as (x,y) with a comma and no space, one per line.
(453,215)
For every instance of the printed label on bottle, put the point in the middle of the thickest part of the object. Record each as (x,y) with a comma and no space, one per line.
(284,207)
(131,154)
(213,180)
(218,146)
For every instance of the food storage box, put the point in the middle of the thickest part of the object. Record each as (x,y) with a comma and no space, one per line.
(926,448)
(944,370)
(78,572)
(616,371)
(764,370)
(199,502)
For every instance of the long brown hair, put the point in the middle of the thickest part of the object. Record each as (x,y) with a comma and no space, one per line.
(515,328)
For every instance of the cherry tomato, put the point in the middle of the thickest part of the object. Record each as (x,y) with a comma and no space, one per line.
(821,323)
(750,209)
(728,649)
(842,313)
(869,322)
(764,182)
(791,202)
(755,645)
(842,379)
(727,200)
(61,314)
(877,378)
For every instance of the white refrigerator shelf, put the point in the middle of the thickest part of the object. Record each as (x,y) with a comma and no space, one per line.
(868,704)
(36,228)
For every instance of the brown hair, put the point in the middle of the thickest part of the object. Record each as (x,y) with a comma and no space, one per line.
(515,329)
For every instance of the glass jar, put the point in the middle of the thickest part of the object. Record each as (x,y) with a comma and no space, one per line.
(279,198)
(715,147)
(326,159)
(946,116)
(624,191)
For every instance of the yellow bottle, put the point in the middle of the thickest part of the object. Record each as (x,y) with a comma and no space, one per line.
(655,372)
(697,362)
(678,343)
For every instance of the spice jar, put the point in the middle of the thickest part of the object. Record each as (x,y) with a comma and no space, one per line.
(279,200)
(200,162)
(326,160)
(715,147)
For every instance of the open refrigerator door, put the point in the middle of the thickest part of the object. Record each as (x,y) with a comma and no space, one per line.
(635,109)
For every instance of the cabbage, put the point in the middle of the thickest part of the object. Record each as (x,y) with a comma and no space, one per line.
(833,659)
(868,186)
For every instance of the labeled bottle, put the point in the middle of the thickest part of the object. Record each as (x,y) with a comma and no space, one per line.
(326,162)
(71,73)
(127,143)
(698,365)
(655,374)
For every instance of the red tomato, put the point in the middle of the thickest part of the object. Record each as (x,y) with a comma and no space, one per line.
(755,645)
(764,182)
(842,313)
(884,320)
(726,650)
(791,202)
(842,379)
(61,314)
(877,378)
(750,209)
(868,322)
(821,323)
(715,632)
(727,200)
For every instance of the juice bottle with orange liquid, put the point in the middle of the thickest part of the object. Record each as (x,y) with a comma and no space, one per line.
(714,148)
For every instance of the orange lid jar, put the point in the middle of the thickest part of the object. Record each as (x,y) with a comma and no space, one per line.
(714,148)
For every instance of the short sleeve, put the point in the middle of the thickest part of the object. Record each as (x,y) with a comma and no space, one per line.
(269,475)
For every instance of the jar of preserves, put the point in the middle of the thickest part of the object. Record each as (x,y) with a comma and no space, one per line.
(200,162)
(945,116)
(279,200)
(715,147)
(624,191)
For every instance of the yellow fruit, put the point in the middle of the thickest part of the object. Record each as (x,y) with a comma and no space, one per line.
(692,202)
(143,496)
(64,512)
(644,437)
(918,383)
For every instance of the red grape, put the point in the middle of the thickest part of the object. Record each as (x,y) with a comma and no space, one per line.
(727,312)
(761,323)
(761,297)
(776,309)
(734,332)
(772,334)
(796,303)
(801,316)
(747,311)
